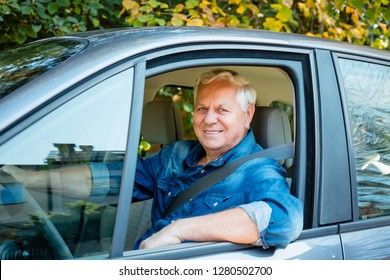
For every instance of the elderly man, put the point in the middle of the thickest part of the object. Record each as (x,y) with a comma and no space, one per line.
(251,206)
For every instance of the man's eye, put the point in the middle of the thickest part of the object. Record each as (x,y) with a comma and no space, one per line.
(222,110)
(202,109)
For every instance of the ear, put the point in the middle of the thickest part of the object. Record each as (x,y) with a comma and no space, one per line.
(249,115)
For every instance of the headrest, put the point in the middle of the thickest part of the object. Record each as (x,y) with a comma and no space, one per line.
(161,122)
(271,127)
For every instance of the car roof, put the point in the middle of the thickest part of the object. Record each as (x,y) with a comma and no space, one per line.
(109,47)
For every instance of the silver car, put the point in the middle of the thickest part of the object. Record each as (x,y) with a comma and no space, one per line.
(113,95)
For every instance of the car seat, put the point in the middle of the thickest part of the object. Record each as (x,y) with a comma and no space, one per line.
(271,127)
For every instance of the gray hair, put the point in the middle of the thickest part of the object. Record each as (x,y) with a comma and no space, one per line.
(246,94)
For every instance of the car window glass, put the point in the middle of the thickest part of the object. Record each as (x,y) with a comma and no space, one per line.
(20,65)
(88,130)
(367,90)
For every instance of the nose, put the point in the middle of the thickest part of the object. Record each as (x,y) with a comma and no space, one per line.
(211,117)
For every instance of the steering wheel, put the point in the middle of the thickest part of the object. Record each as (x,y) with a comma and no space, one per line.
(41,221)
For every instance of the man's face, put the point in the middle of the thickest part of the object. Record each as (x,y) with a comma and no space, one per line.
(219,122)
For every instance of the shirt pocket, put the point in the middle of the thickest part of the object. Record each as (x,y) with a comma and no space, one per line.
(214,201)
(166,191)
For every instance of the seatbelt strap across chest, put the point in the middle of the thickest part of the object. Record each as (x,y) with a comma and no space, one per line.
(279,152)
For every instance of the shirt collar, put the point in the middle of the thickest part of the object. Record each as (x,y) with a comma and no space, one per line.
(245,147)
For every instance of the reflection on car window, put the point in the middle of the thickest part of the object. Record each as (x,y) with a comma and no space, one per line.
(20,65)
(367,88)
(35,223)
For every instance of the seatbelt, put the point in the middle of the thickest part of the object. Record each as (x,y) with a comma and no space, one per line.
(279,152)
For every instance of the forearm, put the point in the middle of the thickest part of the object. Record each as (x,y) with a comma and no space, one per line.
(75,181)
(232,225)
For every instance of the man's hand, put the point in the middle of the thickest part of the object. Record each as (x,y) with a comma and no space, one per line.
(166,236)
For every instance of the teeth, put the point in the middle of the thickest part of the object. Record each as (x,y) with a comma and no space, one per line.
(211,132)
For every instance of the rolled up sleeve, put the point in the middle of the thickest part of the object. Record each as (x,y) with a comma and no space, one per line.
(260,213)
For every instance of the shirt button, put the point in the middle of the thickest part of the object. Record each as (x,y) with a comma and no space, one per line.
(169,194)
(215,204)
(202,171)
(191,199)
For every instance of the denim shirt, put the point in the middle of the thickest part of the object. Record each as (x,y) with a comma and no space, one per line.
(258,187)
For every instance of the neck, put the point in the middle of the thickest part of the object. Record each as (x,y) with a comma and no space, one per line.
(207,158)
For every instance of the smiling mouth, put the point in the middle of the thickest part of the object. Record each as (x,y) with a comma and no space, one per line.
(212,132)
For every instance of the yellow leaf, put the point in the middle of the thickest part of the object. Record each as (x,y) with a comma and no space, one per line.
(234,22)
(179,8)
(236,2)
(195,22)
(254,9)
(241,9)
(129,4)
(383,27)
(176,21)
(356,33)
(349,10)
(204,3)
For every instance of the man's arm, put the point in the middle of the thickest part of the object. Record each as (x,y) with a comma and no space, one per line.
(232,225)
(74,181)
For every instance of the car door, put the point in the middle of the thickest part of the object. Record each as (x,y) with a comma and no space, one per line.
(365,87)
(298,67)
(84,125)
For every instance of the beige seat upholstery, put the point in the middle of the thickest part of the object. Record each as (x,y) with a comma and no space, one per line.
(161,122)
(271,127)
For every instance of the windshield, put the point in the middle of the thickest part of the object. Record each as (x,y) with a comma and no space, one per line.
(18,66)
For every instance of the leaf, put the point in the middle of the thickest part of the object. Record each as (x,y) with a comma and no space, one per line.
(177,21)
(234,22)
(72,19)
(20,36)
(26,10)
(386,14)
(191,4)
(63,3)
(52,8)
(154,3)
(195,22)
(40,10)
(30,31)
(129,4)
(15,6)
(145,18)
(161,21)
(65,29)
(241,9)
(284,14)
(37,28)
(95,21)
(359,4)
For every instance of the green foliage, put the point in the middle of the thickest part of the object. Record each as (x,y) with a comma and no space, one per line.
(24,21)
(363,22)
(184,98)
